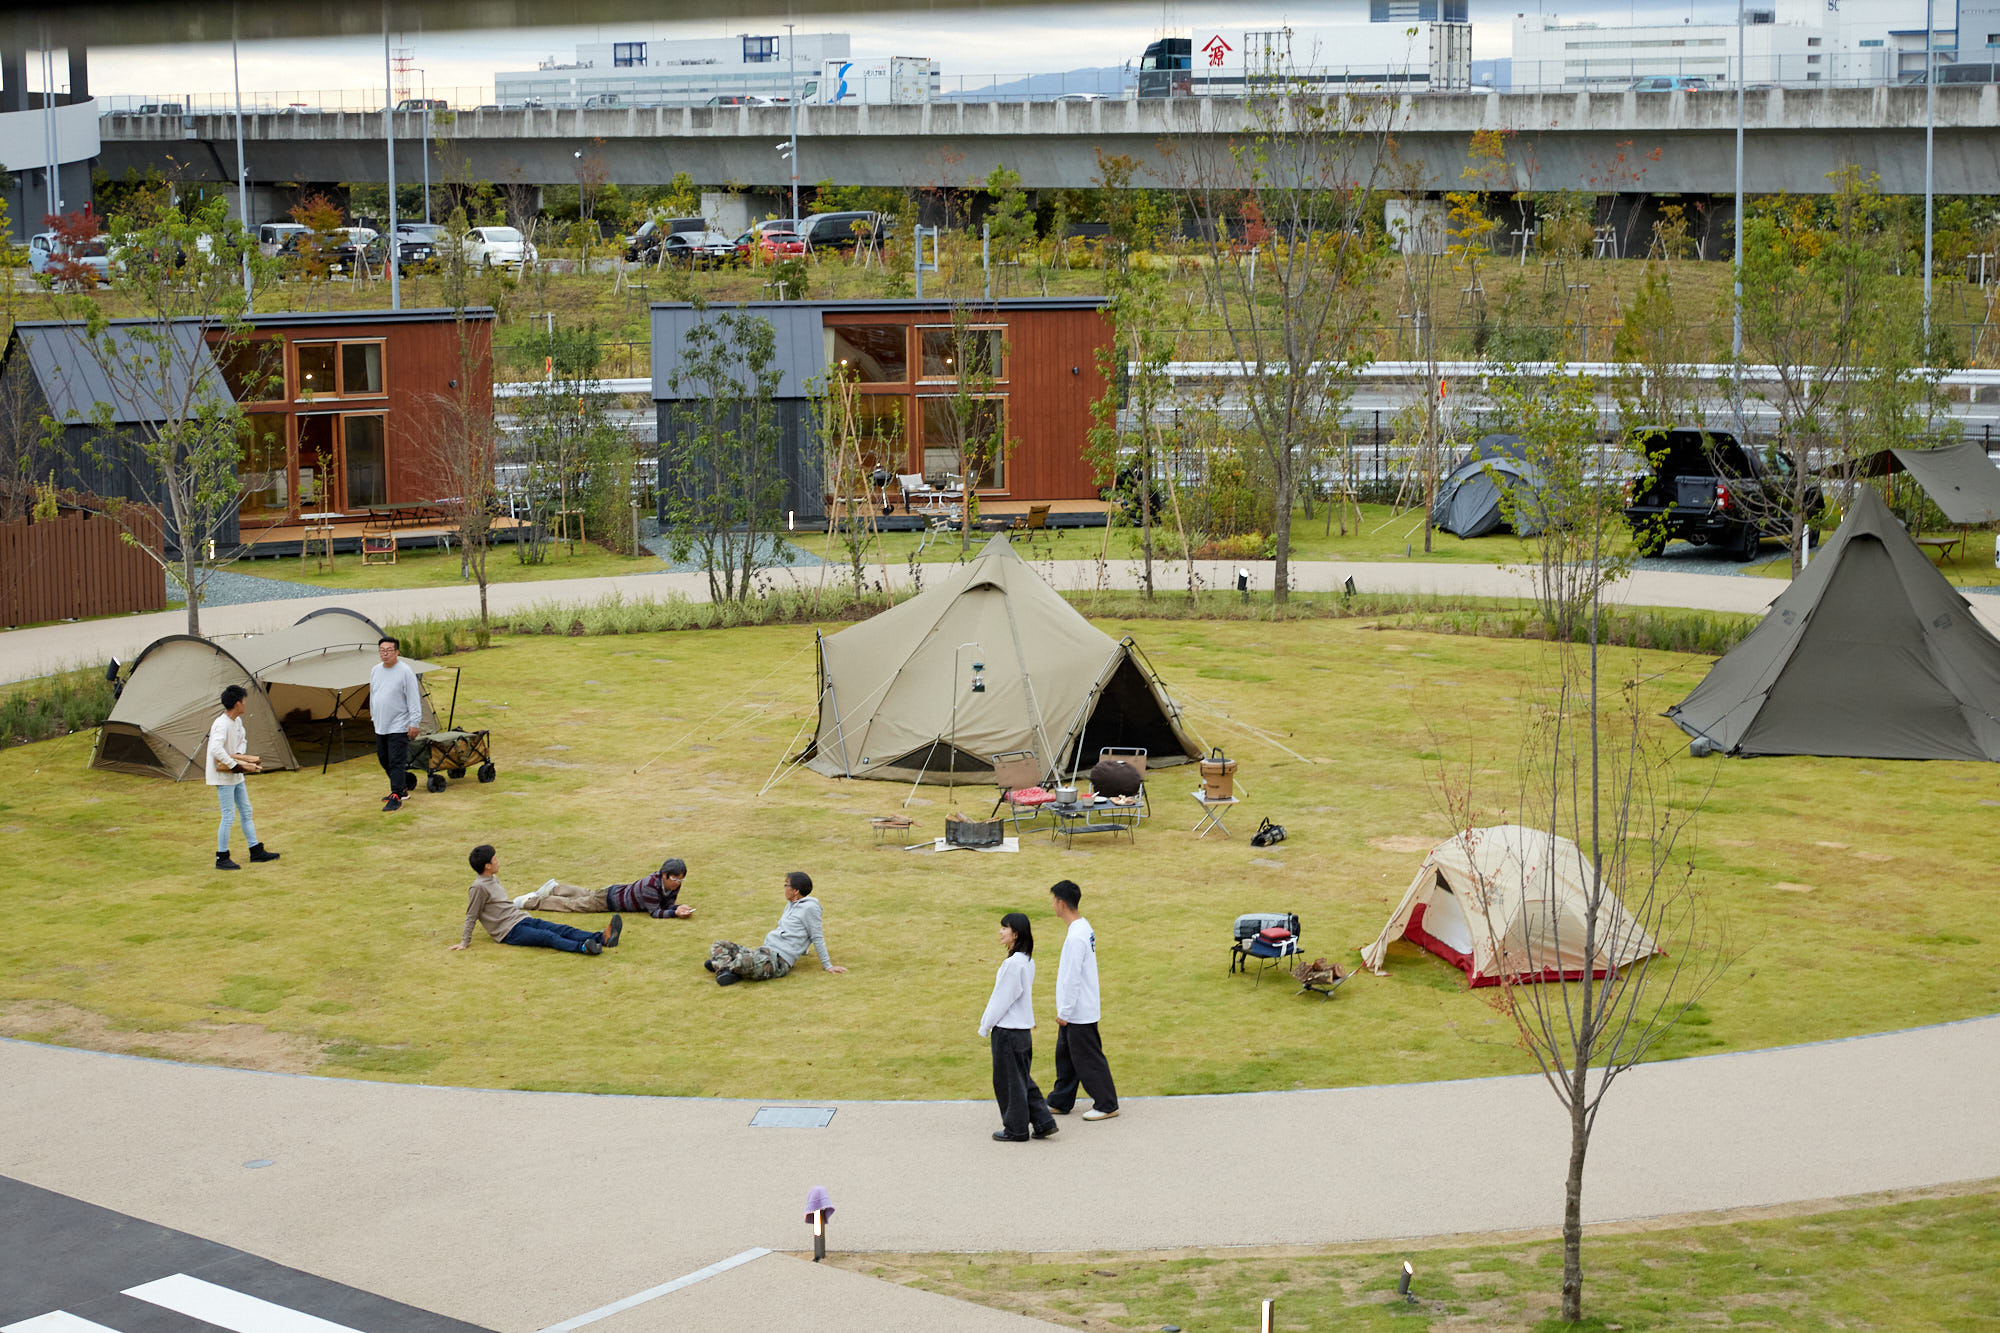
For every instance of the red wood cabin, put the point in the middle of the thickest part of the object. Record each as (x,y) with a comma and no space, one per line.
(1044,378)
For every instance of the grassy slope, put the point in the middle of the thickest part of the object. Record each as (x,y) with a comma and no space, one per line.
(340,949)
(1922,1263)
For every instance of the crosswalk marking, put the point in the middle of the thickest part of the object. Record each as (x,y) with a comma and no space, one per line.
(228,1309)
(57,1321)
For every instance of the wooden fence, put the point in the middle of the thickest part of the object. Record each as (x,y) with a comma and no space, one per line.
(78,564)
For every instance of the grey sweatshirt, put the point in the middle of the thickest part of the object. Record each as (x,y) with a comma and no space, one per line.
(797,928)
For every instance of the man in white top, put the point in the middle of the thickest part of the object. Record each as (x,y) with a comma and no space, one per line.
(226,761)
(1079,1051)
(396,705)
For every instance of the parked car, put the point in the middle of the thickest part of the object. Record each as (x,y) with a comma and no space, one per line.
(643,245)
(349,247)
(271,236)
(839,231)
(161,109)
(602,100)
(415,253)
(1667,83)
(769,246)
(745,99)
(498,247)
(1954,73)
(777,224)
(1705,488)
(45,251)
(696,249)
(423,104)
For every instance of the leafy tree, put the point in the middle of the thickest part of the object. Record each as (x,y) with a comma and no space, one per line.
(1010,223)
(566,426)
(76,234)
(724,485)
(831,198)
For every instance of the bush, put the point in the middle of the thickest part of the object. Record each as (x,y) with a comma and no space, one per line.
(38,710)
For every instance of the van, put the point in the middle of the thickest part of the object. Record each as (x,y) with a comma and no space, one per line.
(271,236)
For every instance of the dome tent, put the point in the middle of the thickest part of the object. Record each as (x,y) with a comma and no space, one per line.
(1469,498)
(1507,903)
(897,702)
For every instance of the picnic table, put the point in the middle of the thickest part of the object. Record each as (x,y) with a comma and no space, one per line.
(1942,545)
(410,512)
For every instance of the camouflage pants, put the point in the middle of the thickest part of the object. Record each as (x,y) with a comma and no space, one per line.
(758,964)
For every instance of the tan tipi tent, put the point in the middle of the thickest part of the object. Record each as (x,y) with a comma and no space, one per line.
(990,661)
(316,669)
(1507,902)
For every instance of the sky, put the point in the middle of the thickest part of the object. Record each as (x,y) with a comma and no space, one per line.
(985,41)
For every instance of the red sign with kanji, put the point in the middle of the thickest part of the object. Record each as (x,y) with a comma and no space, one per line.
(1215,48)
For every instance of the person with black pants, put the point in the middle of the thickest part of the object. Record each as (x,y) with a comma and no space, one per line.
(1010,1021)
(1079,1050)
(396,707)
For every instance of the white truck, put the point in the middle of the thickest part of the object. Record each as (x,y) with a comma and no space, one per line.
(872,82)
(1363,57)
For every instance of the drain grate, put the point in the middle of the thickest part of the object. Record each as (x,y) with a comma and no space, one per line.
(792,1117)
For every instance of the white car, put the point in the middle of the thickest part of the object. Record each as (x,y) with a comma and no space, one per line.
(94,254)
(498,247)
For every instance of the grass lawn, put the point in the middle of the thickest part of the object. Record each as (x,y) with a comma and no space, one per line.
(1923,1262)
(1970,566)
(1858,890)
(428,567)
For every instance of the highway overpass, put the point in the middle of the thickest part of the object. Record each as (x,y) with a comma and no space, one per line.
(1602,143)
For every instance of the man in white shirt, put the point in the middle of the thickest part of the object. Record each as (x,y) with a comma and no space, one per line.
(1079,1052)
(226,761)
(396,706)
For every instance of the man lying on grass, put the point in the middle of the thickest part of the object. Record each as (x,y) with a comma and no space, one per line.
(654,895)
(797,927)
(489,905)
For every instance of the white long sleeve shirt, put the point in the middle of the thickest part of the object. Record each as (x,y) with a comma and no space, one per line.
(395,700)
(225,737)
(1076,975)
(1013,1002)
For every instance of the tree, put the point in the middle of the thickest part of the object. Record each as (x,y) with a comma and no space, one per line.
(724,486)
(1010,223)
(1293,278)
(566,426)
(1593,771)
(459,461)
(1658,350)
(182,276)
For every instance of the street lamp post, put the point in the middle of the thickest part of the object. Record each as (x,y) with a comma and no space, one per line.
(1930,129)
(792,100)
(389,133)
(242,173)
(1742,69)
(424,93)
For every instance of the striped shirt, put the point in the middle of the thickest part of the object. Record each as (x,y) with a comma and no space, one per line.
(649,895)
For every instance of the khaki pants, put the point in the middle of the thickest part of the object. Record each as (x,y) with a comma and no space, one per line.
(569,898)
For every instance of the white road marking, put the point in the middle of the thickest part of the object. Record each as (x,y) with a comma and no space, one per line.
(57,1321)
(616,1307)
(230,1309)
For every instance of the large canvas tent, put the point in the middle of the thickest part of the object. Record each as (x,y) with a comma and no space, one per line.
(1961,480)
(1469,500)
(1507,903)
(312,671)
(897,700)
(1869,654)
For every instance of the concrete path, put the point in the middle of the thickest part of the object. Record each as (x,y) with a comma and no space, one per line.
(36,652)
(430,1195)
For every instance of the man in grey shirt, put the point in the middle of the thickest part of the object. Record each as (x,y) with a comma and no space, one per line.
(396,705)
(784,946)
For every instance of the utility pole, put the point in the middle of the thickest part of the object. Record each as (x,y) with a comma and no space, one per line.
(1736,305)
(242,172)
(792,78)
(389,133)
(1930,129)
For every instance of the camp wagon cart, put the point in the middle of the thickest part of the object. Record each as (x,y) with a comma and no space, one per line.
(453,752)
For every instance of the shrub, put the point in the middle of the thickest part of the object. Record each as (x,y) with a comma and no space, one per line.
(37,710)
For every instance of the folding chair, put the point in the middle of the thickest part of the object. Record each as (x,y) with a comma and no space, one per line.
(1250,942)
(1019,775)
(1136,757)
(914,487)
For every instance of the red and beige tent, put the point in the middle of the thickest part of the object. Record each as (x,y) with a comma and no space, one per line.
(1507,903)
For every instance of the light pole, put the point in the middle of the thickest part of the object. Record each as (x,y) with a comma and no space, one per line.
(1930,128)
(242,173)
(389,133)
(792,99)
(424,93)
(1736,335)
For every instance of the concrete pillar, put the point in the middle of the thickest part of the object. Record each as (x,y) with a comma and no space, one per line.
(13,78)
(79,73)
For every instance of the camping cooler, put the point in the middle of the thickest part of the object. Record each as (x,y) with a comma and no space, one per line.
(1218,777)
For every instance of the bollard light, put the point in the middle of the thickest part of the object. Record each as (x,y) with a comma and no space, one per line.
(819,1207)
(1268,1321)
(1403,1283)
(1243,583)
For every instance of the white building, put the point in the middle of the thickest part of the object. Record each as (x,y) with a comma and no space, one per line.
(678,73)
(1794,42)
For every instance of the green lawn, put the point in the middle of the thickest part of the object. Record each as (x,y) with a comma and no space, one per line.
(1970,566)
(1858,890)
(428,567)
(1924,1263)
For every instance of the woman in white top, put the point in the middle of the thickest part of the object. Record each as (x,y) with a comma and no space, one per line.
(226,763)
(1010,1018)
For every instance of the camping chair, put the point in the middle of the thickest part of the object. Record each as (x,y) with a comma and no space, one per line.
(378,544)
(1136,757)
(1033,524)
(914,487)
(1268,937)
(1019,775)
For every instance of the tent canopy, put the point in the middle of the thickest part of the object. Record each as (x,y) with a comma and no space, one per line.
(1469,497)
(1869,654)
(1508,903)
(1960,480)
(311,671)
(897,699)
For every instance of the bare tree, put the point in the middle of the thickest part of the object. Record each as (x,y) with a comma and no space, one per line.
(459,460)
(1284,213)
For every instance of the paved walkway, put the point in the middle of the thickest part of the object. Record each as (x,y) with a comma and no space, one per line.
(432,1196)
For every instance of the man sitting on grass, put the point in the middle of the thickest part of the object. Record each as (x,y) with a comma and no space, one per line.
(654,895)
(798,927)
(489,905)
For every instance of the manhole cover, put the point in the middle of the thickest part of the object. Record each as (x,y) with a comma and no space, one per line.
(792,1117)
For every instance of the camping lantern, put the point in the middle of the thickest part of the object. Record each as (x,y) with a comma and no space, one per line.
(978,678)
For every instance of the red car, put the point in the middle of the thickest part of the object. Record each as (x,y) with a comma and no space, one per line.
(769,246)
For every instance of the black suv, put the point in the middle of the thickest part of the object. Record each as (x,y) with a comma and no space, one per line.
(1705,488)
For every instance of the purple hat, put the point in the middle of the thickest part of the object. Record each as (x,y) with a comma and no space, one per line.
(817,1201)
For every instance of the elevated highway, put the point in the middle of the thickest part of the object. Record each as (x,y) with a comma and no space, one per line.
(1616,143)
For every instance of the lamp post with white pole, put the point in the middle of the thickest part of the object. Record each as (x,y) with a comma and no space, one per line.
(389,133)
(1742,68)
(424,94)
(792,99)
(242,172)
(1930,128)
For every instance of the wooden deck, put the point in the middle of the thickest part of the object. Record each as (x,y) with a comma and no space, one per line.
(287,539)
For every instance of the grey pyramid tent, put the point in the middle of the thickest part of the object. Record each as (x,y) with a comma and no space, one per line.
(897,699)
(1468,500)
(314,670)
(1870,653)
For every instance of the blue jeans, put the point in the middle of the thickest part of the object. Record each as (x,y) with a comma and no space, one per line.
(235,801)
(551,935)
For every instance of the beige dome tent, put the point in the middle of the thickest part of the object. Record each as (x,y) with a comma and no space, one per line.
(898,699)
(314,670)
(1507,903)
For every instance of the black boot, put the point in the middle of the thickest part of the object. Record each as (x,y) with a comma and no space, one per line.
(258,853)
(222,862)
